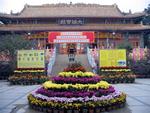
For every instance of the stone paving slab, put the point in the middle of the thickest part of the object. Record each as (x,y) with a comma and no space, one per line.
(144,99)
(133,102)
(13,99)
(10,96)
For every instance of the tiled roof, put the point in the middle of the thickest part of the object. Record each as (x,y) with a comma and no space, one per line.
(72,10)
(92,27)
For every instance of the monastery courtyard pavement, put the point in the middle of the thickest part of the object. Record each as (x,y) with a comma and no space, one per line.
(13,99)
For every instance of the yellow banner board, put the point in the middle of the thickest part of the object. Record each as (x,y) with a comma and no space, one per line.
(30,59)
(113,58)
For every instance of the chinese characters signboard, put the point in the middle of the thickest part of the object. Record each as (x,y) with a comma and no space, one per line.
(71,37)
(71,21)
(109,35)
(38,35)
(30,59)
(113,58)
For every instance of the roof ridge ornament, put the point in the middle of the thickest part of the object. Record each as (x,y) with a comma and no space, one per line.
(80,4)
(26,5)
(130,12)
(115,5)
(70,3)
(11,12)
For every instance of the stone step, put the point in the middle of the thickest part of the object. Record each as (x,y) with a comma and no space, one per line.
(62,61)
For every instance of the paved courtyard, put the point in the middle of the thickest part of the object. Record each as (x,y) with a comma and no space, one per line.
(13,99)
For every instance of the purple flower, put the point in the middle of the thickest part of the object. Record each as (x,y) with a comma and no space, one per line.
(80,93)
(83,80)
(80,99)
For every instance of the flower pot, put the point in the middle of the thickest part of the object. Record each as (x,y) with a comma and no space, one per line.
(115,82)
(85,110)
(61,111)
(91,110)
(41,109)
(113,107)
(69,111)
(76,111)
(44,110)
(55,111)
(49,110)
(121,105)
(97,110)
(109,108)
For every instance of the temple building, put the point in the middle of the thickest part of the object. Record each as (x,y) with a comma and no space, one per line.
(110,26)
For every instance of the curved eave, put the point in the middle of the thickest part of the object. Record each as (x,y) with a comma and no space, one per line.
(69,16)
(45,27)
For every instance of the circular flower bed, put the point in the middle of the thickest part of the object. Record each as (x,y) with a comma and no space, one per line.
(73,67)
(76,91)
(119,78)
(27,79)
(117,75)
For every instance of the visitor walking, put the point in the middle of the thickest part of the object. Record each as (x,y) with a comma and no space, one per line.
(71,54)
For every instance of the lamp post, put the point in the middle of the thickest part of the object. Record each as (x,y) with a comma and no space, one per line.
(29,36)
(113,39)
(107,42)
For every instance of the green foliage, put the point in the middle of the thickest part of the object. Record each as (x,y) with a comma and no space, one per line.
(11,43)
(5,70)
(141,67)
(125,45)
(146,19)
(27,79)
(147,10)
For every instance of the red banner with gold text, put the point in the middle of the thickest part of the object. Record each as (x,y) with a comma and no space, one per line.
(71,37)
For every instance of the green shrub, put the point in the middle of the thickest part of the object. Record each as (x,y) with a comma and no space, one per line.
(141,67)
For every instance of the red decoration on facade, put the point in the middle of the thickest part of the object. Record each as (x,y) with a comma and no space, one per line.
(71,37)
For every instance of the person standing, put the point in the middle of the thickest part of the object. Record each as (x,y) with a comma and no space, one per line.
(71,53)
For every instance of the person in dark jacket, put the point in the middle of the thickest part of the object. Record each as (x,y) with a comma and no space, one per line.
(71,53)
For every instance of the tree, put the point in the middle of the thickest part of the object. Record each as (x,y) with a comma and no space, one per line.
(12,43)
(141,67)
(146,19)
(125,45)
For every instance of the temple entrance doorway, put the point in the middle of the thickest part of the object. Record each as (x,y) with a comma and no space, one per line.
(77,40)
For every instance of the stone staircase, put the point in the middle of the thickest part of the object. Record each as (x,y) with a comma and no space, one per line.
(62,62)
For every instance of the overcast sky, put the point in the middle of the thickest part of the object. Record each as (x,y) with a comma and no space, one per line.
(125,5)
